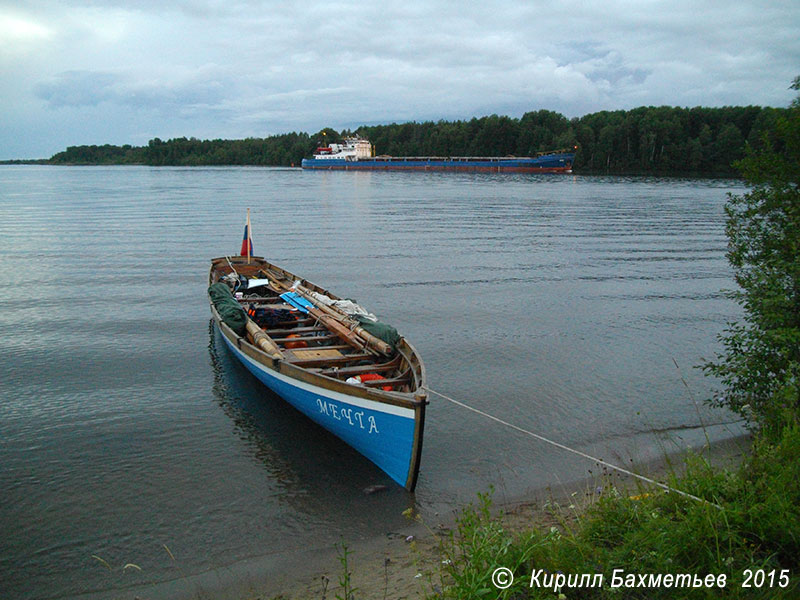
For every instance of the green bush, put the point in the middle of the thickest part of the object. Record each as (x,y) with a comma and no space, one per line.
(760,365)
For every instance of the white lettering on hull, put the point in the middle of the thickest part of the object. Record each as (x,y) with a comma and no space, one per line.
(354,418)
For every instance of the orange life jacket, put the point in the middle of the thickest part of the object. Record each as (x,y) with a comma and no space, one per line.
(300,344)
(375,377)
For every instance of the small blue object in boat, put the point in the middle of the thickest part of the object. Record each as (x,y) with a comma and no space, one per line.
(297,301)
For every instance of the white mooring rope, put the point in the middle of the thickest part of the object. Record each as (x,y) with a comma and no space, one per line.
(578,452)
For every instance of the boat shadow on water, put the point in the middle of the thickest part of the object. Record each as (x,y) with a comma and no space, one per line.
(299,456)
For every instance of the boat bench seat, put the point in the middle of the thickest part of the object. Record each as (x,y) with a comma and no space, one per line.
(303,338)
(394,382)
(350,371)
(288,330)
(276,306)
(322,357)
(260,300)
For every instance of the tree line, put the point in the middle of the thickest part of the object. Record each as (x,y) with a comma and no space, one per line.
(646,140)
(278,150)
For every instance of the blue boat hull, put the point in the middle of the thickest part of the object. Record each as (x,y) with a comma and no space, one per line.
(551,163)
(386,434)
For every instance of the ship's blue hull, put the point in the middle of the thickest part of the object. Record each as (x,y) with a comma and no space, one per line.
(384,433)
(551,163)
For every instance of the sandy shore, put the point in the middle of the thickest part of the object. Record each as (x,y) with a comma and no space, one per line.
(406,564)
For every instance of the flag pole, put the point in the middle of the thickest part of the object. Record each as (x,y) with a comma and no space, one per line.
(249,237)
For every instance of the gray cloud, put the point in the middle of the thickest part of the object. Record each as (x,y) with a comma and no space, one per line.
(239,68)
(77,89)
(201,93)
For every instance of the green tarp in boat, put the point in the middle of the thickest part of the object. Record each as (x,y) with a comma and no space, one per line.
(383,331)
(228,307)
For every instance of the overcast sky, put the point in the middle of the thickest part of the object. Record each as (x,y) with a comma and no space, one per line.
(126,71)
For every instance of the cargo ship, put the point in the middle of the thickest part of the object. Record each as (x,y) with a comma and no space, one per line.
(357,154)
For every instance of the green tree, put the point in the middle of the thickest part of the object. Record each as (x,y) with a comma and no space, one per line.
(647,139)
(760,367)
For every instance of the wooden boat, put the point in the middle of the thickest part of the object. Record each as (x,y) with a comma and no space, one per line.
(313,355)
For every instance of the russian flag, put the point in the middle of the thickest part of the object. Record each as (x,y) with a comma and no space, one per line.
(247,240)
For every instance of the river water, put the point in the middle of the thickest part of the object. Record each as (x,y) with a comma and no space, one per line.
(130,435)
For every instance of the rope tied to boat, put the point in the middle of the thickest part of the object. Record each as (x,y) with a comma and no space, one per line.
(599,461)
(228,258)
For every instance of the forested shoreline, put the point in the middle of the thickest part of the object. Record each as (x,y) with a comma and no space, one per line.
(647,140)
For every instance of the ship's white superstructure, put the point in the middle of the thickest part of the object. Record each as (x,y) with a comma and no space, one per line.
(353,149)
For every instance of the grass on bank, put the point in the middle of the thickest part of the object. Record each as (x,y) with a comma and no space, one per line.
(751,522)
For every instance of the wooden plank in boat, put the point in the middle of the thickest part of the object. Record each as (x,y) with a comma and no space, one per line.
(275,332)
(305,338)
(394,381)
(323,362)
(350,371)
(259,299)
(276,306)
(317,353)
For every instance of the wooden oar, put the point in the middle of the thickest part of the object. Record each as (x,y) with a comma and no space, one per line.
(372,341)
(335,320)
(262,340)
